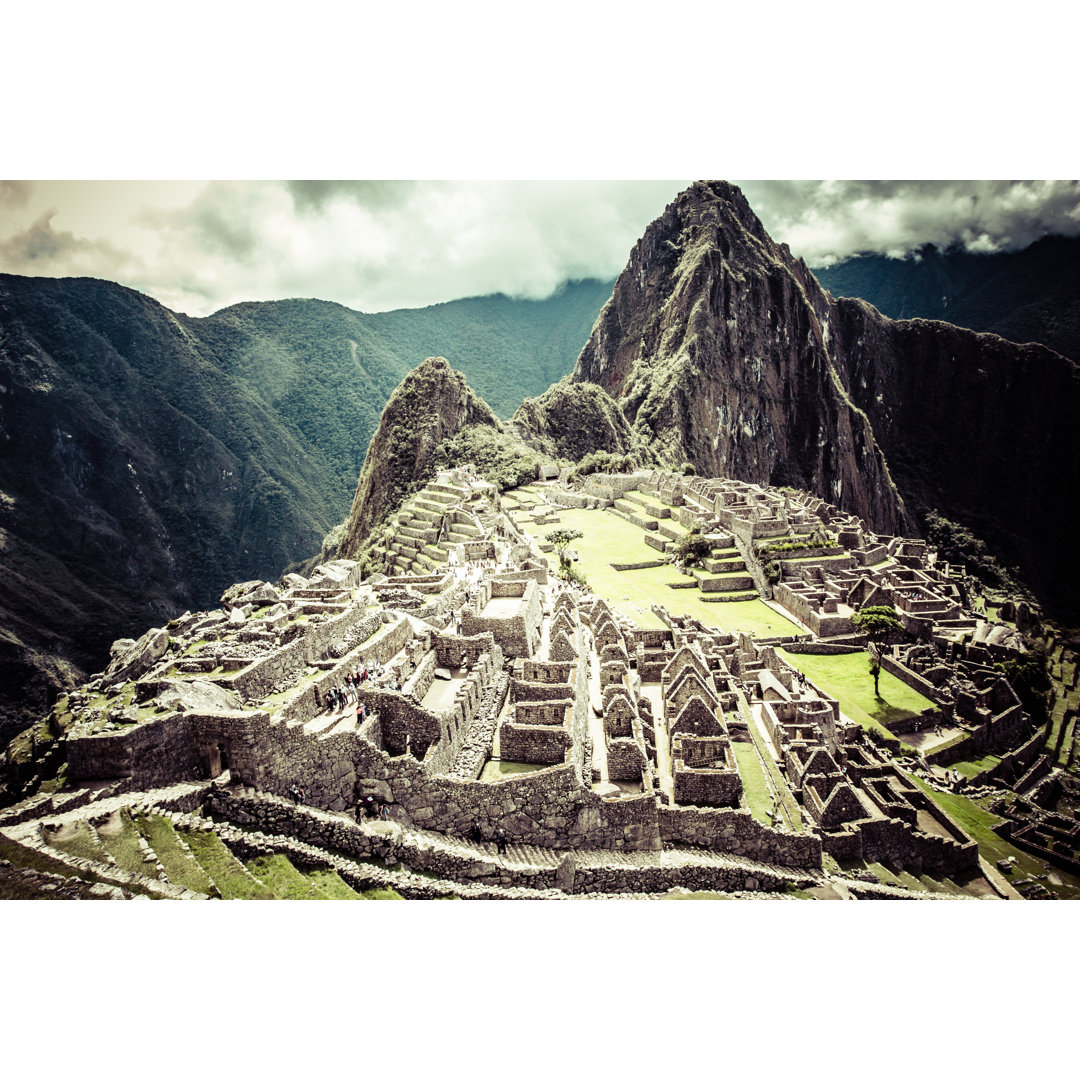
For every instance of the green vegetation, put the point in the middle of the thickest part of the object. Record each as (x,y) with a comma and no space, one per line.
(283,879)
(228,874)
(798,543)
(844,678)
(381,894)
(880,624)
(560,539)
(756,789)
(331,885)
(180,868)
(959,546)
(978,824)
(1029,676)
(497,770)
(693,548)
(499,458)
(602,462)
(610,539)
(120,838)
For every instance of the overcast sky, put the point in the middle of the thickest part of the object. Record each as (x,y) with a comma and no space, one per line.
(375,245)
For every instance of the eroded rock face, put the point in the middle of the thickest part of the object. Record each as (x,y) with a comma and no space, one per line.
(431,405)
(721,349)
(198,695)
(717,345)
(130,659)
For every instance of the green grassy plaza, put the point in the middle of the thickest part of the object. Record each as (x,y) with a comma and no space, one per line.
(609,539)
(847,678)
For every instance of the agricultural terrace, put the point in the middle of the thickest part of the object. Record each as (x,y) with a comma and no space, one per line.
(609,539)
(847,678)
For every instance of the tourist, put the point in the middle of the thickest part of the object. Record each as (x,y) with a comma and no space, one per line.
(500,840)
(475,834)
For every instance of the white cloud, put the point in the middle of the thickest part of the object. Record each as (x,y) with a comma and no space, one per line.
(374,245)
(826,221)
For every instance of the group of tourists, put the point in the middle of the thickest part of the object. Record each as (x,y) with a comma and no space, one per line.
(369,807)
(339,698)
(476,834)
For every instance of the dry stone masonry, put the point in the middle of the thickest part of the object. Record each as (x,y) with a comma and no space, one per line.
(469,724)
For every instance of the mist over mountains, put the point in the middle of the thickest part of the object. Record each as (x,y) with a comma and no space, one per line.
(1029,295)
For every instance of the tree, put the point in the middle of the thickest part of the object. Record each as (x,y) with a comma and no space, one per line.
(692,547)
(560,539)
(881,624)
(1028,676)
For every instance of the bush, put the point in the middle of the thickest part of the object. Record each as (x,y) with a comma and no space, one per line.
(692,548)
(603,462)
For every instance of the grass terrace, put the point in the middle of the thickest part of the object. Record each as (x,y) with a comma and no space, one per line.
(756,790)
(609,539)
(847,678)
(499,770)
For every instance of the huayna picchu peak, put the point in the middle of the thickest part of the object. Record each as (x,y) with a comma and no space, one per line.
(761,596)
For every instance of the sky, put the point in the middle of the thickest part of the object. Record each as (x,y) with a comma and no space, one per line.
(197,246)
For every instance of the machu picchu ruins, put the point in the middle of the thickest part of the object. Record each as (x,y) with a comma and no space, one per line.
(471,722)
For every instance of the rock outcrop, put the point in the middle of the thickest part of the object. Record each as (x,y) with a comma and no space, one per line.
(717,346)
(432,405)
(721,349)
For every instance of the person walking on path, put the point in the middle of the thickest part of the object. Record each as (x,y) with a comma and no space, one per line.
(500,840)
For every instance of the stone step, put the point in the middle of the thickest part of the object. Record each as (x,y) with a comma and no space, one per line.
(427,515)
(436,508)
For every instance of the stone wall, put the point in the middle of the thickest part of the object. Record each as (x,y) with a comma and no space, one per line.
(706,787)
(911,678)
(538,744)
(519,634)
(737,832)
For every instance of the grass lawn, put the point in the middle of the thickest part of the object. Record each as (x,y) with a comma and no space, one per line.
(180,867)
(756,788)
(331,885)
(497,770)
(977,823)
(121,839)
(283,879)
(847,678)
(609,539)
(971,769)
(228,874)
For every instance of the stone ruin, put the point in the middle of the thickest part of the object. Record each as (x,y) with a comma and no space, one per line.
(483,730)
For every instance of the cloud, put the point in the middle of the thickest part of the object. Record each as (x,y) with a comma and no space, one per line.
(198,246)
(825,221)
(40,250)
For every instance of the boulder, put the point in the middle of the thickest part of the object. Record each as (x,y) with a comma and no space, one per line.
(231,596)
(197,695)
(135,658)
(565,873)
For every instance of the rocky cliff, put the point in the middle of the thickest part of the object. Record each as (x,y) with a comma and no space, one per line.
(432,420)
(716,344)
(721,349)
